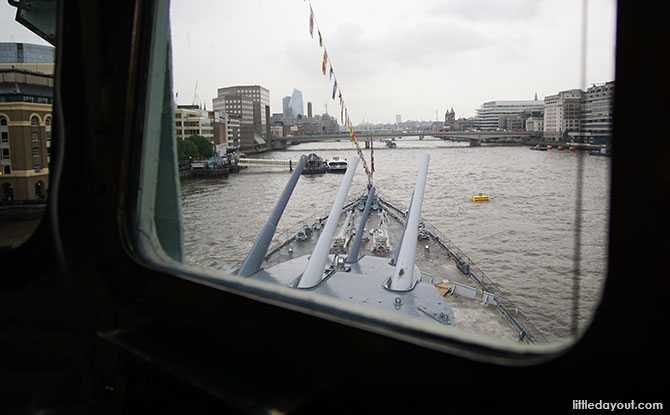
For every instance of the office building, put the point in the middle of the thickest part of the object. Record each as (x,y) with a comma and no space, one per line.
(488,116)
(562,114)
(191,120)
(295,103)
(254,124)
(286,109)
(598,113)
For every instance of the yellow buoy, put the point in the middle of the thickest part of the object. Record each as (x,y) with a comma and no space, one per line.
(480,198)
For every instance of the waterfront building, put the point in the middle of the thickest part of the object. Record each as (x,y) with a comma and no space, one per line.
(488,116)
(309,110)
(254,124)
(28,56)
(598,113)
(239,108)
(226,129)
(562,113)
(191,120)
(398,119)
(26,100)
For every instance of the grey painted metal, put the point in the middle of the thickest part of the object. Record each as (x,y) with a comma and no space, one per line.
(464,290)
(252,263)
(404,277)
(397,249)
(361,285)
(353,251)
(489,298)
(159,219)
(313,272)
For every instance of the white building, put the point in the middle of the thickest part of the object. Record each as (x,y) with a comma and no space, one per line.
(534,124)
(488,116)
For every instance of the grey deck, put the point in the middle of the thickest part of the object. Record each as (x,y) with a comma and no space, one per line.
(363,284)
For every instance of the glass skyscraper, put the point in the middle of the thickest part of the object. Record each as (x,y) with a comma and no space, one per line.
(295,103)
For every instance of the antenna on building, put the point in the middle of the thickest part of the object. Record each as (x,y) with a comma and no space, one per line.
(325,106)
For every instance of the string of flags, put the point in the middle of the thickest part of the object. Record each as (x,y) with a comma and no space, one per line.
(344,112)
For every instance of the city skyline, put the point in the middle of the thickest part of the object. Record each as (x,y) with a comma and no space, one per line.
(415,59)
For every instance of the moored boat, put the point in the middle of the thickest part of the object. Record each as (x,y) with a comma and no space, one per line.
(314,165)
(337,165)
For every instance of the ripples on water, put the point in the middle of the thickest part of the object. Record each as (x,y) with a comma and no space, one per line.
(523,239)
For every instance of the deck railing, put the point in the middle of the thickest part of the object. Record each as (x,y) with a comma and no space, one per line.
(527,331)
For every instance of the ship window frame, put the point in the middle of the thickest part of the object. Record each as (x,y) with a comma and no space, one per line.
(142,227)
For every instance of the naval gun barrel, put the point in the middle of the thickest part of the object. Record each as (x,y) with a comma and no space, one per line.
(353,252)
(403,278)
(252,263)
(313,272)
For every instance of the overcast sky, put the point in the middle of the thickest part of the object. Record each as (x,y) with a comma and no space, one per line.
(411,58)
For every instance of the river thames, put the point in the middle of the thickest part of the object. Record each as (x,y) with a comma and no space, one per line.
(523,238)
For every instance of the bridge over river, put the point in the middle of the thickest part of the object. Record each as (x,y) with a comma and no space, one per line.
(475,138)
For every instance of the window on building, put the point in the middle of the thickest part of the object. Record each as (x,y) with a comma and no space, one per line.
(34,121)
(47,121)
(5,153)
(3,121)
(36,151)
(37,168)
(7,170)
(5,136)
(35,136)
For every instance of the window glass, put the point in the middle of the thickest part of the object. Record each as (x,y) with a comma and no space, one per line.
(22,106)
(511,241)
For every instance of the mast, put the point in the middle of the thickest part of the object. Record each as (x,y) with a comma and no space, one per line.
(254,259)
(313,273)
(403,278)
(353,252)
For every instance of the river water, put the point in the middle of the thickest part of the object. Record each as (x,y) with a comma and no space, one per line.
(523,238)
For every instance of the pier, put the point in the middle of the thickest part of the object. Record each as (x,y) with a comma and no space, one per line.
(246,162)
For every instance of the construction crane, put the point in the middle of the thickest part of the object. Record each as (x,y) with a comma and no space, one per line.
(195,93)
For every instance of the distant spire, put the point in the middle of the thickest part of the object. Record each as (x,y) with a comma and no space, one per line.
(535,95)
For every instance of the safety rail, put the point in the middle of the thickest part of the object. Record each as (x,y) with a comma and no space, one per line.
(527,331)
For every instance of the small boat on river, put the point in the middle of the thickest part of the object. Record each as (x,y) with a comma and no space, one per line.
(314,165)
(337,165)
